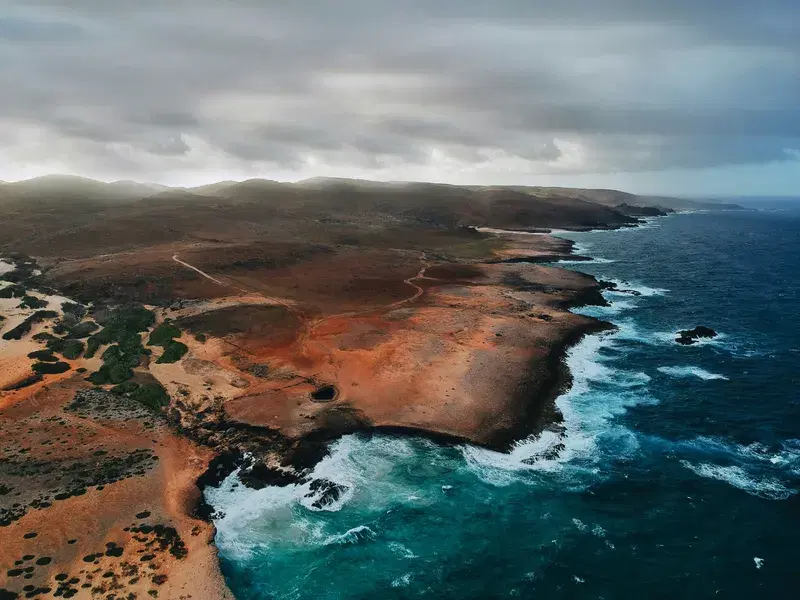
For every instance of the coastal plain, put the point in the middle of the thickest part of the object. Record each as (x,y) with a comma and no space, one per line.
(154,340)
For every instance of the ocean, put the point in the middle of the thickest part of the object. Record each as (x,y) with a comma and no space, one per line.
(679,477)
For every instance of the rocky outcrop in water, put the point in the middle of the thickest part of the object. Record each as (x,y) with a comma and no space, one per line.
(691,336)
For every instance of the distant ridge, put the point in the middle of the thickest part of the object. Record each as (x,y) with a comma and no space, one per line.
(50,187)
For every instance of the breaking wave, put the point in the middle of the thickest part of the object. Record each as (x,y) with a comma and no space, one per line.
(690,371)
(763,487)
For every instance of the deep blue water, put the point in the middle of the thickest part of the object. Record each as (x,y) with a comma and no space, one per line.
(680,476)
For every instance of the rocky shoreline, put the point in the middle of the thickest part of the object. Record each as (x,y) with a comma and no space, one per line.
(535,401)
(529,297)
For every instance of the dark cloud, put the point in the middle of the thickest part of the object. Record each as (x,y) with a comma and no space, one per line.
(394,89)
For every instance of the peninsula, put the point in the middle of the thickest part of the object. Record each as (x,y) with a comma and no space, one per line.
(154,338)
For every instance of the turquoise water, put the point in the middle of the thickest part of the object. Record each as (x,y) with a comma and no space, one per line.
(679,477)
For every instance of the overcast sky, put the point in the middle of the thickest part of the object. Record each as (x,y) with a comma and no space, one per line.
(672,96)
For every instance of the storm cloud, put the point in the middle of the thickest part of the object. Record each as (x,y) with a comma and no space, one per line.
(405,89)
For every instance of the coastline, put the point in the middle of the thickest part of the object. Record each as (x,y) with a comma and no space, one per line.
(533,404)
(538,409)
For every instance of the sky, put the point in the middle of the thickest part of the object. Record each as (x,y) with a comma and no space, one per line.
(689,97)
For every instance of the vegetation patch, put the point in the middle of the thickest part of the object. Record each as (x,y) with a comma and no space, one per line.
(50,368)
(126,387)
(72,349)
(44,356)
(73,308)
(13,291)
(24,328)
(82,330)
(173,352)
(122,327)
(55,344)
(32,302)
(119,361)
(151,395)
(164,334)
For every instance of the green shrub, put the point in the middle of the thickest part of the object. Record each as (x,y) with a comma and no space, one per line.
(51,368)
(61,328)
(72,308)
(151,395)
(125,388)
(24,328)
(131,317)
(72,349)
(163,334)
(119,360)
(201,337)
(114,373)
(32,302)
(82,330)
(44,336)
(44,356)
(121,327)
(173,352)
(93,344)
(56,345)
(13,291)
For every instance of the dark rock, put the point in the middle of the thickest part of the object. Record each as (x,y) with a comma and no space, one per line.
(326,491)
(260,476)
(690,336)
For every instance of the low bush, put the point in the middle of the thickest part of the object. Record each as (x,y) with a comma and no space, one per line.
(44,356)
(51,368)
(72,349)
(173,352)
(82,330)
(32,302)
(13,291)
(151,395)
(24,328)
(163,334)
(125,387)
(74,309)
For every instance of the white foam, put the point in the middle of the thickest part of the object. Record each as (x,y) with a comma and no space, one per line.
(588,415)
(250,519)
(580,525)
(401,550)
(764,487)
(690,371)
(641,289)
(403,581)
(594,259)
(354,535)
(759,562)
(755,455)
(669,337)
(613,308)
